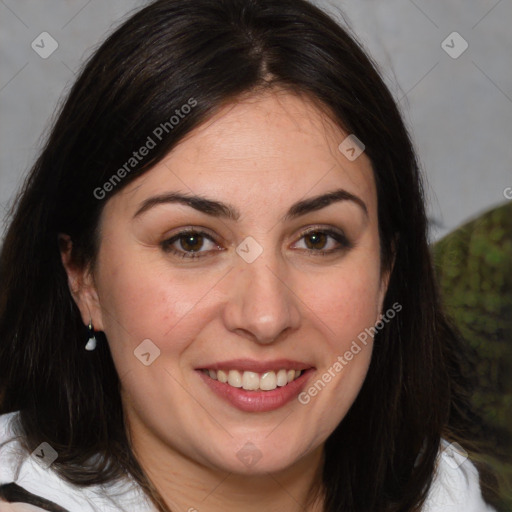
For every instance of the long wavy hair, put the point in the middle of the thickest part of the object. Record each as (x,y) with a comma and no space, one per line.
(381,457)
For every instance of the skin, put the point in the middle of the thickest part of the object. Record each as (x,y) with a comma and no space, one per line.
(18,507)
(260,154)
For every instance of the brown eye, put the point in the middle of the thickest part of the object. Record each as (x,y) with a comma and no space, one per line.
(323,242)
(315,240)
(190,244)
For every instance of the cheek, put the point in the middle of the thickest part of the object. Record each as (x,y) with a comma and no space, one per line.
(344,307)
(143,299)
(344,302)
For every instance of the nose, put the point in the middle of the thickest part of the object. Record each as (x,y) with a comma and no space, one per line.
(261,304)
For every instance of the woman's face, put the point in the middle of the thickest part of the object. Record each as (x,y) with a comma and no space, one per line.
(273,281)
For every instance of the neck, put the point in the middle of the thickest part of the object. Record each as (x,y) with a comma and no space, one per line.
(186,485)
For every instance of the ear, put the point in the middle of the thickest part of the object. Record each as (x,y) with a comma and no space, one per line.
(81,285)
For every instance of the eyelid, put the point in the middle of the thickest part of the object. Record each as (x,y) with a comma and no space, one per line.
(335,233)
(188,231)
(322,228)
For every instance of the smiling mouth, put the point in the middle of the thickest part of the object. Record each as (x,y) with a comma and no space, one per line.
(253,381)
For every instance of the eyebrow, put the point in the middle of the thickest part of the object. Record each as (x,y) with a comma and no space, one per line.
(223,210)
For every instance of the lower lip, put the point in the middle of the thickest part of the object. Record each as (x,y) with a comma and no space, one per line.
(257,401)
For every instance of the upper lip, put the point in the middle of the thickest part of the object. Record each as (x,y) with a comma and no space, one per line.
(257,366)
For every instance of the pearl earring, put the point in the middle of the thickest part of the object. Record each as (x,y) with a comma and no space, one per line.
(91,344)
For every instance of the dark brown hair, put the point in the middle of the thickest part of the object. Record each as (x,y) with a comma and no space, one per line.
(213,51)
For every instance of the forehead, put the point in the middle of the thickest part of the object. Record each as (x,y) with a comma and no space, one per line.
(267,148)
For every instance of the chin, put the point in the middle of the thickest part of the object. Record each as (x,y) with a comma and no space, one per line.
(258,458)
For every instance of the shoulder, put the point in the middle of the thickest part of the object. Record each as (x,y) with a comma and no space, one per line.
(18,507)
(37,479)
(456,484)
(10,453)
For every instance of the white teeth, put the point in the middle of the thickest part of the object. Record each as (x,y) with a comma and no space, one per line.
(282,378)
(252,381)
(234,378)
(268,381)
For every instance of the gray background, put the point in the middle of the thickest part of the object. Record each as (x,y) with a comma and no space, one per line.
(459,110)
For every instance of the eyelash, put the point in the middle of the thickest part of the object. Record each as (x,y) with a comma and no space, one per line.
(340,238)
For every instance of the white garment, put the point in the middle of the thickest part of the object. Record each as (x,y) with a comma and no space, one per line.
(46,483)
(456,485)
(455,488)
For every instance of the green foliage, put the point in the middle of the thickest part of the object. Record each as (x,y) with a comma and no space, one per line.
(474,268)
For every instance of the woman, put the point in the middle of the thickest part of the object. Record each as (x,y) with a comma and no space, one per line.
(217,289)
